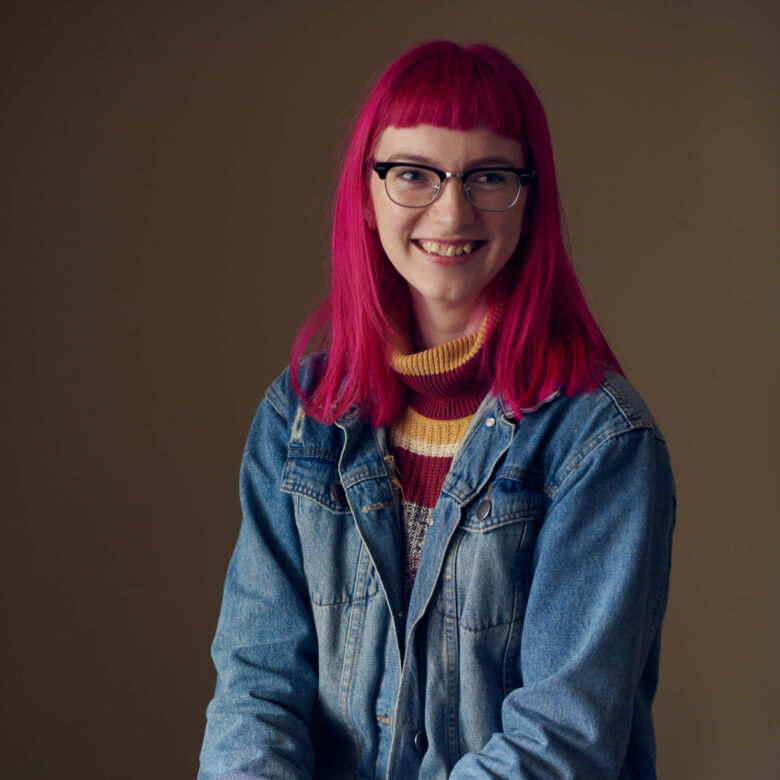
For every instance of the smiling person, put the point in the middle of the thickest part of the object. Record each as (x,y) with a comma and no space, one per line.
(455,547)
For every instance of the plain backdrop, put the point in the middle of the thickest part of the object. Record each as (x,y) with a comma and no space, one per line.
(166,173)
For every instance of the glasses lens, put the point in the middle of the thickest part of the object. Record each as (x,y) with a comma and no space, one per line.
(410,186)
(493,190)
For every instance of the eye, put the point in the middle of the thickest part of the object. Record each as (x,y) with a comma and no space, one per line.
(489,178)
(411,176)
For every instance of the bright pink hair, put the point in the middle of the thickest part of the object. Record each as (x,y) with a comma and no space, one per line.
(546,339)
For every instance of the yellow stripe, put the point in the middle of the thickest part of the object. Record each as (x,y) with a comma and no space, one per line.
(443,358)
(420,447)
(421,434)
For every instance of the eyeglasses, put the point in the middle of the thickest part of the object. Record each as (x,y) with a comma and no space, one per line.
(488,189)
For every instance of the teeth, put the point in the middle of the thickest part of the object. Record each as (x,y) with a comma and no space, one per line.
(448,250)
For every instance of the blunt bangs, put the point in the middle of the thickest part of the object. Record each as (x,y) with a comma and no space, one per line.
(445,85)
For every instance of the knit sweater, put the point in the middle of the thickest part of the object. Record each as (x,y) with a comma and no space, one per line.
(443,392)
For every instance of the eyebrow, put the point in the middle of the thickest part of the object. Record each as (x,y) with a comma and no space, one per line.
(503,162)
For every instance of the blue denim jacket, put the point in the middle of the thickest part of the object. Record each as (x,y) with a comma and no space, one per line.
(530,646)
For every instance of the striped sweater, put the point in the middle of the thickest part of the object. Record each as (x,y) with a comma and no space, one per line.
(443,392)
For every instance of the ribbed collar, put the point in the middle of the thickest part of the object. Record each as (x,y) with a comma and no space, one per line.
(443,382)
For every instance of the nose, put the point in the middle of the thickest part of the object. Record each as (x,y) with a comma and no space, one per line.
(452,208)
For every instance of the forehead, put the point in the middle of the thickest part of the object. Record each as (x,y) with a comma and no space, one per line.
(449,149)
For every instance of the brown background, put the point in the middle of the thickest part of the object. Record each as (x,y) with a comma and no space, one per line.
(166,170)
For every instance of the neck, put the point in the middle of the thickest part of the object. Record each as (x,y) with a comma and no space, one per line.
(434,324)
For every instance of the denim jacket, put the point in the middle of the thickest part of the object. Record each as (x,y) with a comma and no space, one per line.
(530,645)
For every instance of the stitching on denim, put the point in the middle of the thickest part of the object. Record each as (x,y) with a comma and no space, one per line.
(522,516)
(516,600)
(450,592)
(345,602)
(473,629)
(620,403)
(369,589)
(318,599)
(448,613)
(307,452)
(637,418)
(355,477)
(354,630)
(455,493)
(460,495)
(482,629)
(552,489)
(531,479)
(277,401)
(299,489)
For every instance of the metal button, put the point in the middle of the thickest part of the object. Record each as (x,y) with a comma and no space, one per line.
(483,510)
(490,422)
(336,492)
(421,741)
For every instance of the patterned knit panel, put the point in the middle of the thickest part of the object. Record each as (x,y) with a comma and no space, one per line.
(443,391)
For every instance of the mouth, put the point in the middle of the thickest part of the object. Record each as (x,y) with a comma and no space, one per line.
(448,248)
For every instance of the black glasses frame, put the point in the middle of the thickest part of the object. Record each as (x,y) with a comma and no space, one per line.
(525,175)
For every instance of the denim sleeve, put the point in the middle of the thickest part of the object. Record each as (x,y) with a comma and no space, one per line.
(265,646)
(591,633)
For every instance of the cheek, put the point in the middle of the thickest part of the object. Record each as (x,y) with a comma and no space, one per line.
(394,226)
(378,209)
(508,231)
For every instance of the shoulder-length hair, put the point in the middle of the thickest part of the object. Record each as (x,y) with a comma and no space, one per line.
(546,338)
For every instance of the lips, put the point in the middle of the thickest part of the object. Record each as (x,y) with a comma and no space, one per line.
(448,248)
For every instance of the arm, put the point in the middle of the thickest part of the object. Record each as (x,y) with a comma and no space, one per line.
(265,646)
(596,601)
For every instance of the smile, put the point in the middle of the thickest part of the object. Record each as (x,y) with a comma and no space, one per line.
(449,249)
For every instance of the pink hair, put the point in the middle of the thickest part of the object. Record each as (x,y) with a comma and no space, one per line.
(546,339)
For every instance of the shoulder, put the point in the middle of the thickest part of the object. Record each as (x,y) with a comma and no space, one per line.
(301,454)
(621,399)
(612,408)
(282,410)
(569,433)
(283,396)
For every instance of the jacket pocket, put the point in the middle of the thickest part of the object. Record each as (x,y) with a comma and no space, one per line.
(491,556)
(336,571)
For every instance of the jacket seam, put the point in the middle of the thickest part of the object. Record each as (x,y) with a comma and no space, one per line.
(636,419)
(300,489)
(491,626)
(312,453)
(552,489)
(277,400)
(352,478)
(526,516)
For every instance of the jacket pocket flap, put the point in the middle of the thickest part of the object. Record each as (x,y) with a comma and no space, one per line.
(500,506)
(316,478)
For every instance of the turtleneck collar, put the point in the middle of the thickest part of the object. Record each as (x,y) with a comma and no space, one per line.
(444,382)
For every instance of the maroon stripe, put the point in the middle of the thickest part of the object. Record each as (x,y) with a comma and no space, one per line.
(421,476)
(447,382)
(449,408)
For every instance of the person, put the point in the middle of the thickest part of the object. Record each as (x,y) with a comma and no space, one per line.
(455,547)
